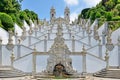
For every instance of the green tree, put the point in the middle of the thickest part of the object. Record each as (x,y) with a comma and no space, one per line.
(9,6)
(109,5)
(84,13)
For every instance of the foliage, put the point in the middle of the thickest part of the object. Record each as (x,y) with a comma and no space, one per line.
(23,16)
(1,24)
(109,5)
(13,9)
(31,15)
(118,8)
(9,6)
(19,21)
(104,11)
(6,21)
(84,12)
(108,16)
(118,1)
(114,25)
(97,15)
(117,18)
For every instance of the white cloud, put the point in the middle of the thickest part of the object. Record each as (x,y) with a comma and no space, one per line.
(72,2)
(91,3)
(73,16)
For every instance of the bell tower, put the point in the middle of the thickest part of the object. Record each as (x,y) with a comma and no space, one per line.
(67,14)
(52,14)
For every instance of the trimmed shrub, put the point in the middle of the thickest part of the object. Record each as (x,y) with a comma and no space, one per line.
(19,21)
(23,16)
(6,21)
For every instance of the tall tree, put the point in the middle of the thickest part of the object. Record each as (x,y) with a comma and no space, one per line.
(9,6)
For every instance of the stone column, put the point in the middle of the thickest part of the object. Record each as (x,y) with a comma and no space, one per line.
(35,29)
(103,39)
(35,33)
(48,34)
(100,49)
(79,28)
(70,34)
(107,60)
(34,63)
(0,52)
(16,38)
(45,44)
(29,40)
(19,49)
(119,52)
(89,35)
(89,39)
(119,56)
(12,58)
(84,64)
(73,44)
(83,32)
(84,61)
(40,28)
(30,33)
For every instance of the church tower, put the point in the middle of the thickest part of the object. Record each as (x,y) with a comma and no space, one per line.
(52,14)
(67,14)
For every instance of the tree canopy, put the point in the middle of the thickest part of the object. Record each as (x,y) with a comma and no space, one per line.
(105,11)
(11,9)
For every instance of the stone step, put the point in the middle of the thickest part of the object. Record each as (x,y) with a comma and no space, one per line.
(112,73)
(9,73)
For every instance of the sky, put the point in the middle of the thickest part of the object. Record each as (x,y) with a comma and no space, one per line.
(42,7)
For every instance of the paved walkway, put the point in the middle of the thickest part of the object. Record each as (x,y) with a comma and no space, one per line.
(87,78)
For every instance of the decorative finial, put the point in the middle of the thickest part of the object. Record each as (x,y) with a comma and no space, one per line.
(99,41)
(16,33)
(83,48)
(96,36)
(0,40)
(83,51)
(19,41)
(35,48)
(23,37)
(30,31)
(45,37)
(73,37)
(119,39)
